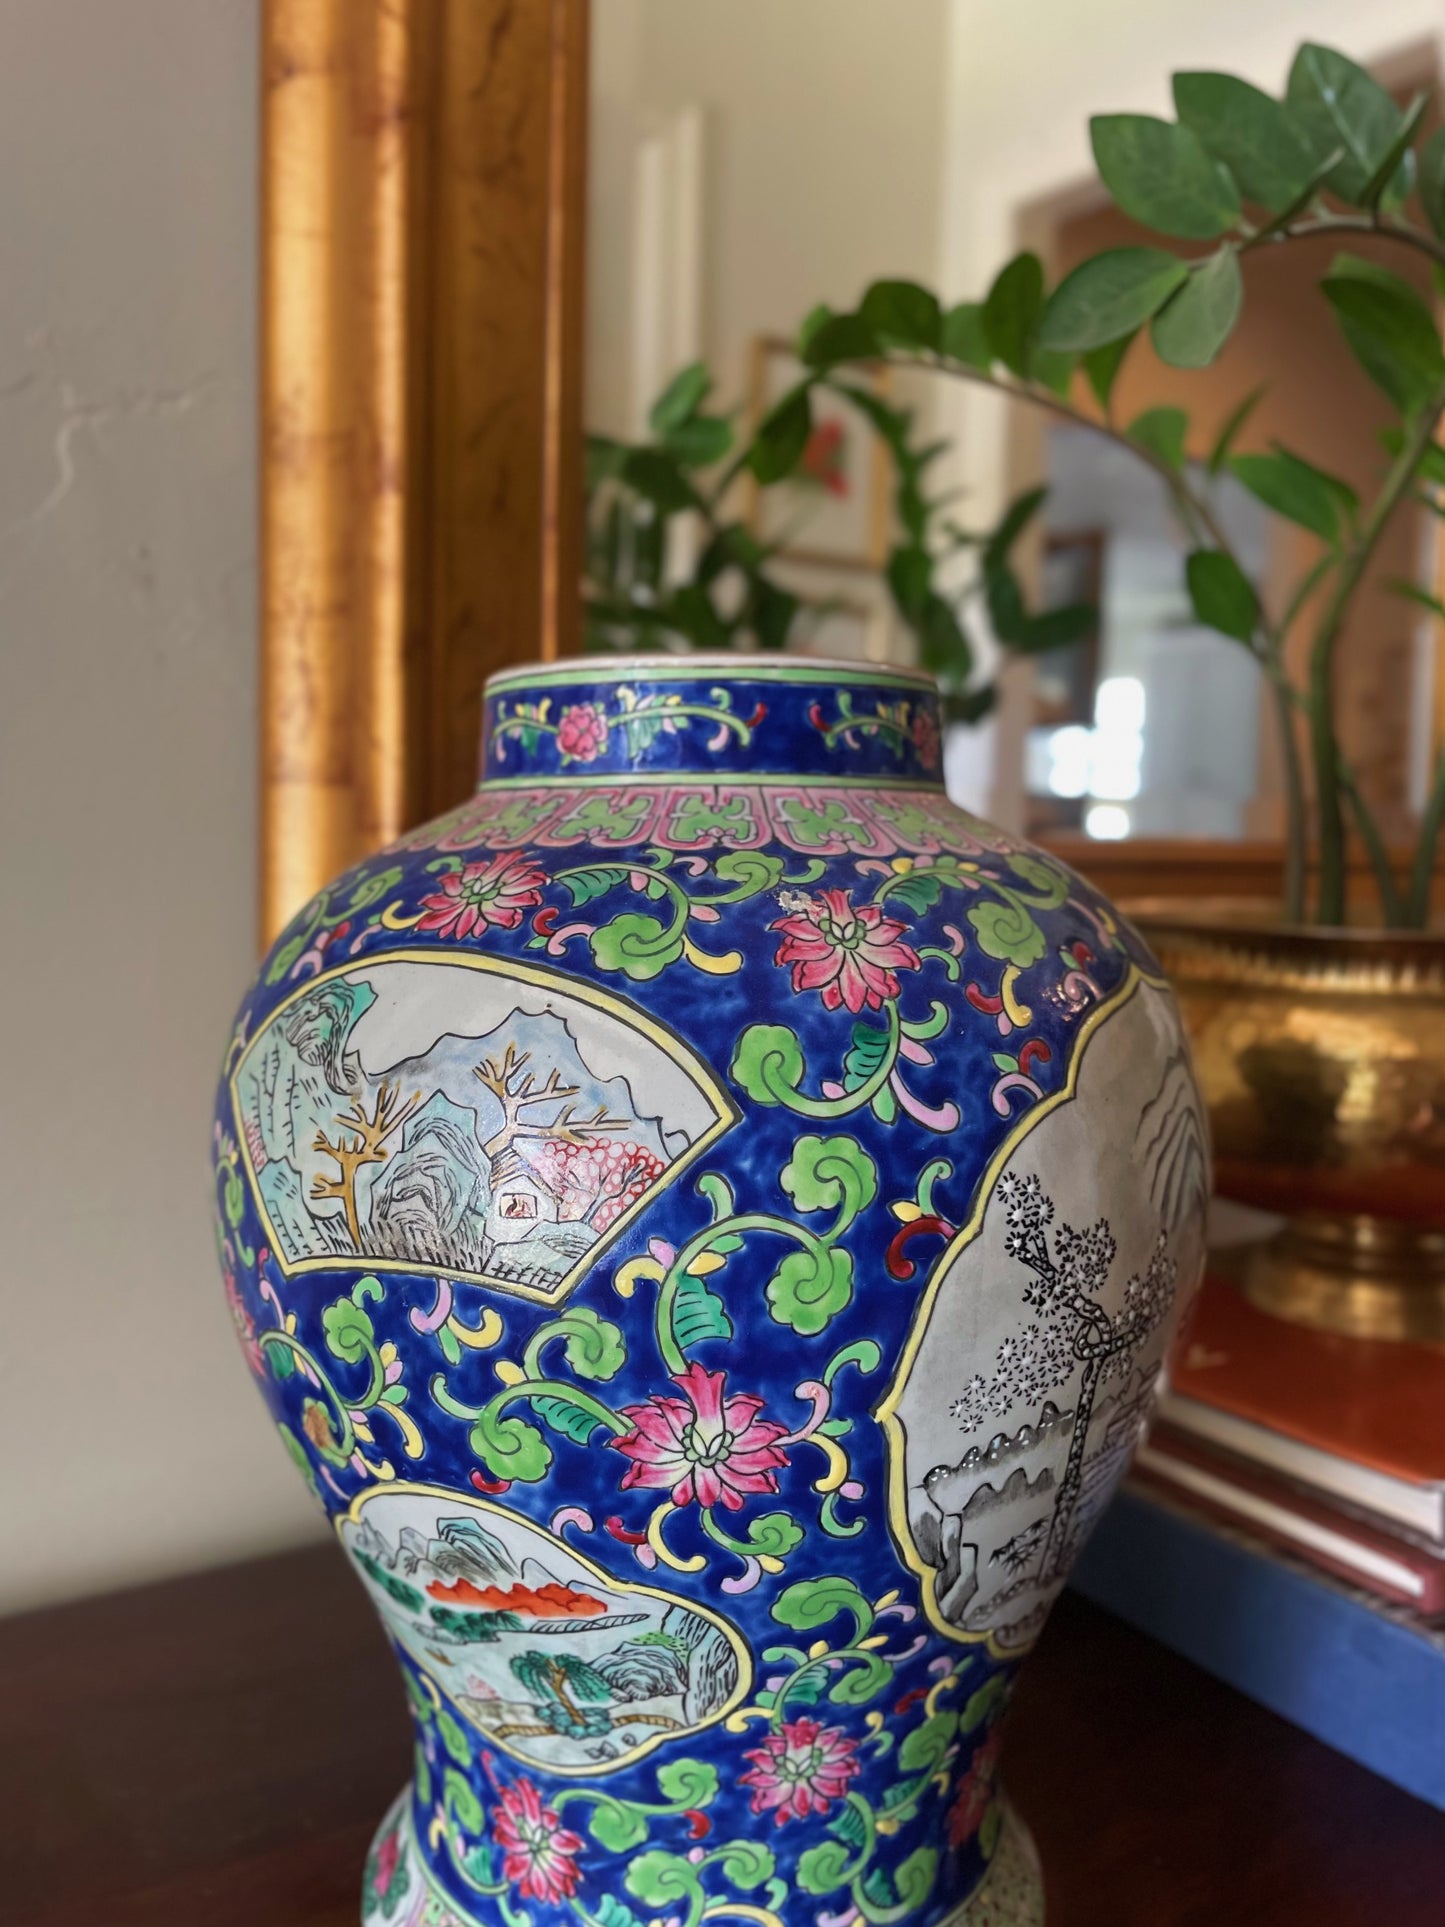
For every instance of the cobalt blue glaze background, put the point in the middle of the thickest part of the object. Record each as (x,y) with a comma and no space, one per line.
(707,1012)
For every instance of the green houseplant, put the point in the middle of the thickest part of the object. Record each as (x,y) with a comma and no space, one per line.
(1321,1049)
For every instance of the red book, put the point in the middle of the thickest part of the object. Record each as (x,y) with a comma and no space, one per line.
(1282,1515)
(1362,1420)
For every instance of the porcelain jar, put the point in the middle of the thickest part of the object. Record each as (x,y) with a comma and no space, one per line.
(706,1218)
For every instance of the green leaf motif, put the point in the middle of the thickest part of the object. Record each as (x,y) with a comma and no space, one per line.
(809,1289)
(864,1680)
(585,886)
(1222,594)
(915,1877)
(767,1063)
(594,1345)
(349,1331)
(617,1825)
(612,1912)
(823,1869)
(1011,312)
(1109,296)
(923,1748)
(984,1703)
(1194,324)
(565,1417)
(698,1313)
(810,1603)
(830,1173)
(1006,931)
(866,1056)
(636,945)
(510,1448)
(745,1863)
(920,890)
(1338,105)
(1254,135)
(462,1801)
(773,1535)
(1159,173)
(453,1738)
(688,1783)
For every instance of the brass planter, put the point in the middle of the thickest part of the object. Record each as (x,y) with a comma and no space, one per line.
(1321,1055)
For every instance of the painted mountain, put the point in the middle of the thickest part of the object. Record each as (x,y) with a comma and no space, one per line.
(548,1656)
(452,1118)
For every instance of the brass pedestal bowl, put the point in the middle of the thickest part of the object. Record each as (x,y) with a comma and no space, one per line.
(1321,1056)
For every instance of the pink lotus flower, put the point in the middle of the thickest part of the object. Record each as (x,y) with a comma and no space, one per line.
(244,1323)
(539,1855)
(495,892)
(709,1448)
(975,1791)
(925,738)
(387,1855)
(801,1769)
(849,954)
(582,732)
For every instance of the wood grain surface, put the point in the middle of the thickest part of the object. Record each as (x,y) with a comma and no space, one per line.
(216,1751)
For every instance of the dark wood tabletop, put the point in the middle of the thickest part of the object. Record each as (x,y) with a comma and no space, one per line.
(216,1751)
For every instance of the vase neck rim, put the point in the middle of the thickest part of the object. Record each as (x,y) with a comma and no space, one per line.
(721,716)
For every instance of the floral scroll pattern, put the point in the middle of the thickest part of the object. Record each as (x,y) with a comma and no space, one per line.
(885,993)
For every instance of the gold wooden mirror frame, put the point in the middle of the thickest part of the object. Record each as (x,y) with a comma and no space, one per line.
(422,232)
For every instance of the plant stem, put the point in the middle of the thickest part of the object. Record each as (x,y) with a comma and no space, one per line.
(1392,907)
(1294,798)
(1330,904)
(1422,875)
(1410,237)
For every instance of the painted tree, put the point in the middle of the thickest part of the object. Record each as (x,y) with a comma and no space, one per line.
(361,1140)
(1070,1333)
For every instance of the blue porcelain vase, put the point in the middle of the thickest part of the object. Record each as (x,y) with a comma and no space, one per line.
(706,1218)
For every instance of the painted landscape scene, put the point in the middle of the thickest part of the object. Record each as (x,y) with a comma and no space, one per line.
(449,1118)
(550,1659)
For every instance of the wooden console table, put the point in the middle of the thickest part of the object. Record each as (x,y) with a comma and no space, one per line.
(215,1751)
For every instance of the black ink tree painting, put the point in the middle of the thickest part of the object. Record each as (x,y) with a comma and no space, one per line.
(1070,1334)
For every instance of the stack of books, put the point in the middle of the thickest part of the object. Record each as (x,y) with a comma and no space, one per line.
(1284,1526)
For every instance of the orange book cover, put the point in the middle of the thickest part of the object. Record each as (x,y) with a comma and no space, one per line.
(1376,1403)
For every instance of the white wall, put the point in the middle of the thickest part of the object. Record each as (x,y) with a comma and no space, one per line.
(132,1440)
(1021,78)
(823,136)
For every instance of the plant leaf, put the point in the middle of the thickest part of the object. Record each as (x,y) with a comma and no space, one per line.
(1337,104)
(1011,312)
(657,476)
(1389,328)
(681,398)
(783,434)
(1102,365)
(1160,174)
(1163,432)
(700,441)
(841,337)
(1222,594)
(1394,175)
(1253,134)
(1229,434)
(1017,517)
(963,337)
(1432,180)
(1293,489)
(1194,324)
(1109,296)
(902,313)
